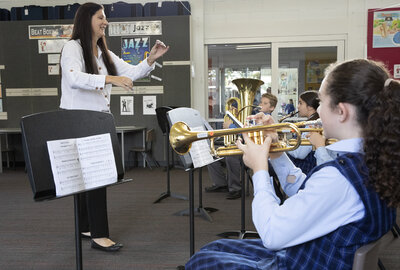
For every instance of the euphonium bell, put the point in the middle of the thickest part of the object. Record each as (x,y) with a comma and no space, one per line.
(247,89)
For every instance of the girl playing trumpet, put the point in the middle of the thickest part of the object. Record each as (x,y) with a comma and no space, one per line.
(343,204)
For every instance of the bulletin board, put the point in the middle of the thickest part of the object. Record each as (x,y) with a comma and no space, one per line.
(26,67)
(383,38)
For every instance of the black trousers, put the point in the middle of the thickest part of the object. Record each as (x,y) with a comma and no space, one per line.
(93,213)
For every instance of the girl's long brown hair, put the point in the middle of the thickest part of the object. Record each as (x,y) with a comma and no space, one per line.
(364,84)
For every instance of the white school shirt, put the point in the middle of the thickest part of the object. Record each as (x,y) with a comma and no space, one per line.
(327,202)
(80,90)
(302,151)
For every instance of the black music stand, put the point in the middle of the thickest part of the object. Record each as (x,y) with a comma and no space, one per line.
(192,118)
(39,128)
(162,120)
(242,233)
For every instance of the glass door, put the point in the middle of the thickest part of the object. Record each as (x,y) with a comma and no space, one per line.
(227,62)
(300,66)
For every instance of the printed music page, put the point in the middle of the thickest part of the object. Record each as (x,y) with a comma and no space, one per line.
(200,151)
(82,163)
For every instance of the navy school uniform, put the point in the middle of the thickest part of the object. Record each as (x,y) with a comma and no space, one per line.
(332,251)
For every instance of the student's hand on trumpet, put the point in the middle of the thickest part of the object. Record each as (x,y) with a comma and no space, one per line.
(316,139)
(262,119)
(227,123)
(255,156)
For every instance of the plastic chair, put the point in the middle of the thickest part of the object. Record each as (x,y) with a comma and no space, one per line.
(366,257)
(146,151)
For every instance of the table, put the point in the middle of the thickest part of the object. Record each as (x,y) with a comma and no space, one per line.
(7,131)
(120,130)
(129,129)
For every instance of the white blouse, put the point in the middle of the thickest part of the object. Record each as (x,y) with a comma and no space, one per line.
(81,90)
(327,202)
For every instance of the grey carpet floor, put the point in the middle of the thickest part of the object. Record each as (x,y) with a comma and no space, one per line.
(40,235)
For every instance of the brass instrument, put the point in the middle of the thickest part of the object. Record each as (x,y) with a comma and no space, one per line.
(247,90)
(181,138)
(287,116)
(230,108)
(320,130)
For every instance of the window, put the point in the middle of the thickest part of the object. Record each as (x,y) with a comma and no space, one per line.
(233,61)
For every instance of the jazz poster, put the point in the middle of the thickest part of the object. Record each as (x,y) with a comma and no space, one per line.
(386,29)
(134,50)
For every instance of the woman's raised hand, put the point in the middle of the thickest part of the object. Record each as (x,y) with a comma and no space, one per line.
(158,50)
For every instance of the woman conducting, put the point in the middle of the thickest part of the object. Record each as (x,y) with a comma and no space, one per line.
(89,70)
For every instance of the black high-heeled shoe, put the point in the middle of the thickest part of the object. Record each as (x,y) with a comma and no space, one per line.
(111,248)
(84,236)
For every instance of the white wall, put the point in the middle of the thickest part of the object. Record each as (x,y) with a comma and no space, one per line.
(235,21)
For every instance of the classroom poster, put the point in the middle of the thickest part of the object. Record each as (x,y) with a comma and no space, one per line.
(126,104)
(383,37)
(149,105)
(386,29)
(53,31)
(134,50)
(51,46)
(396,71)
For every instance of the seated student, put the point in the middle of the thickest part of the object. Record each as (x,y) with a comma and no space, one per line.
(304,157)
(268,103)
(343,204)
(230,181)
(308,104)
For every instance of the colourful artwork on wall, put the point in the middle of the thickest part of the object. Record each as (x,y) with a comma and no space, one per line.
(386,29)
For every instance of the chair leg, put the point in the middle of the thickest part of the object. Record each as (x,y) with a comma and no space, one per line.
(144,155)
(380,265)
(134,159)
(155,162)
(396,230)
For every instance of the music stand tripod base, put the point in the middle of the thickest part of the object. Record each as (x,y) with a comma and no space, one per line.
(242,233)
(165,195)
(168,193)
(199,211)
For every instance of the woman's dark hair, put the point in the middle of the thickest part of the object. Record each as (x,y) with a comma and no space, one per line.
(311,98)
(83,32)
(367,85)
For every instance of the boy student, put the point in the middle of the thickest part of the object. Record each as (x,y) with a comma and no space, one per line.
(268,103)
(230,181)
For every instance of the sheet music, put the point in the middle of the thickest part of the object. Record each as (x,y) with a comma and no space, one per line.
(200,151)
(82,163)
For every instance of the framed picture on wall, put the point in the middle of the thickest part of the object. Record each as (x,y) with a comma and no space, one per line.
(315,72)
